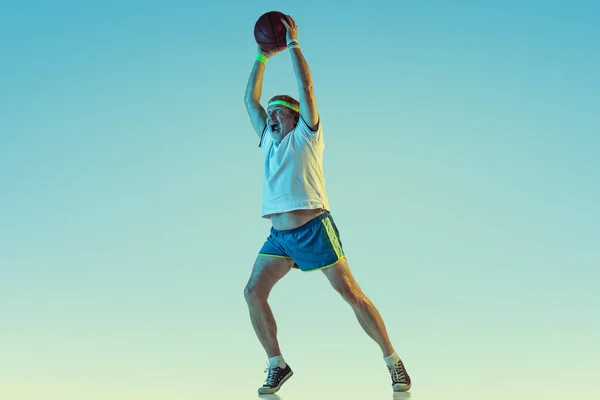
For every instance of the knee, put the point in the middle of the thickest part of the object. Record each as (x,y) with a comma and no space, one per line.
(353,296)
(253,295)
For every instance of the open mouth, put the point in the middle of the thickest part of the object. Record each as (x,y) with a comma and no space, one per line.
(275,128)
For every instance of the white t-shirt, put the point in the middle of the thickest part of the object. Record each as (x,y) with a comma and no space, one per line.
(293,176)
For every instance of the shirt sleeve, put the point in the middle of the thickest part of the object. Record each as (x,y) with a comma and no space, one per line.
(303,128)
(262,137)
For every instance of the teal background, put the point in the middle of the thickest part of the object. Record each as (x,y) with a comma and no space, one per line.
(462,163)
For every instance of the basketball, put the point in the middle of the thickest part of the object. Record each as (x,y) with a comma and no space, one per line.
(269,31)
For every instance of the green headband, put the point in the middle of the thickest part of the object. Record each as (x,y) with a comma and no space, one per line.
(286,104)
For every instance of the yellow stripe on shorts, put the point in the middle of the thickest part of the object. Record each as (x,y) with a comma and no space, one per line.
(333,239)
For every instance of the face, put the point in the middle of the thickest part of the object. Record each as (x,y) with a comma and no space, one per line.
(280,121)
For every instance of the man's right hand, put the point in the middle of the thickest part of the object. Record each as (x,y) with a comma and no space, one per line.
(271,53)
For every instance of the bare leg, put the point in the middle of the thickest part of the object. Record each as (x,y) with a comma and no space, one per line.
(368,316)
(266,273)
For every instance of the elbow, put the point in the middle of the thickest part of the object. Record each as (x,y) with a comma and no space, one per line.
(251,103)
(250,97)
(306,87)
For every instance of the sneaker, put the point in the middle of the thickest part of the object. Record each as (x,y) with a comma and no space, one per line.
(400,378)
(276,377)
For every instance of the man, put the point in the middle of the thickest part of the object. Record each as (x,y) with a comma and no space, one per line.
(303,234)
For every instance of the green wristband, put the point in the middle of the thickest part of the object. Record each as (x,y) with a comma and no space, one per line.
(262,58)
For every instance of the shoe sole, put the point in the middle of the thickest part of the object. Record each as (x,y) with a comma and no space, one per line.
(401,388)
(276,388)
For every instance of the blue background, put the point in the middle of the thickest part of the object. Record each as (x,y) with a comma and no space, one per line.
(462,163)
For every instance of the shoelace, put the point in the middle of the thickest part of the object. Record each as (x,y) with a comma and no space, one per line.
(398,373)
(271,378)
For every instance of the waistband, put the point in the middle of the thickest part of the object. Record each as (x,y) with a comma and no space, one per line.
(308,224)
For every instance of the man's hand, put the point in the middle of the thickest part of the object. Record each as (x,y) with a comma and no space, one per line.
(291,27)
(270,53)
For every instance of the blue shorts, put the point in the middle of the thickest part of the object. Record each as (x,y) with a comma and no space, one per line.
(314,245)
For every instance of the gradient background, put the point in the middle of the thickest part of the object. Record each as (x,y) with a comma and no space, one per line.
(462,163)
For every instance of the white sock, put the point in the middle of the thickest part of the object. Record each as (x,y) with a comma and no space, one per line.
(277,361)
(391,359)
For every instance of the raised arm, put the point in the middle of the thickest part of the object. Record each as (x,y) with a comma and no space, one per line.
(258,115)
(308,105)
